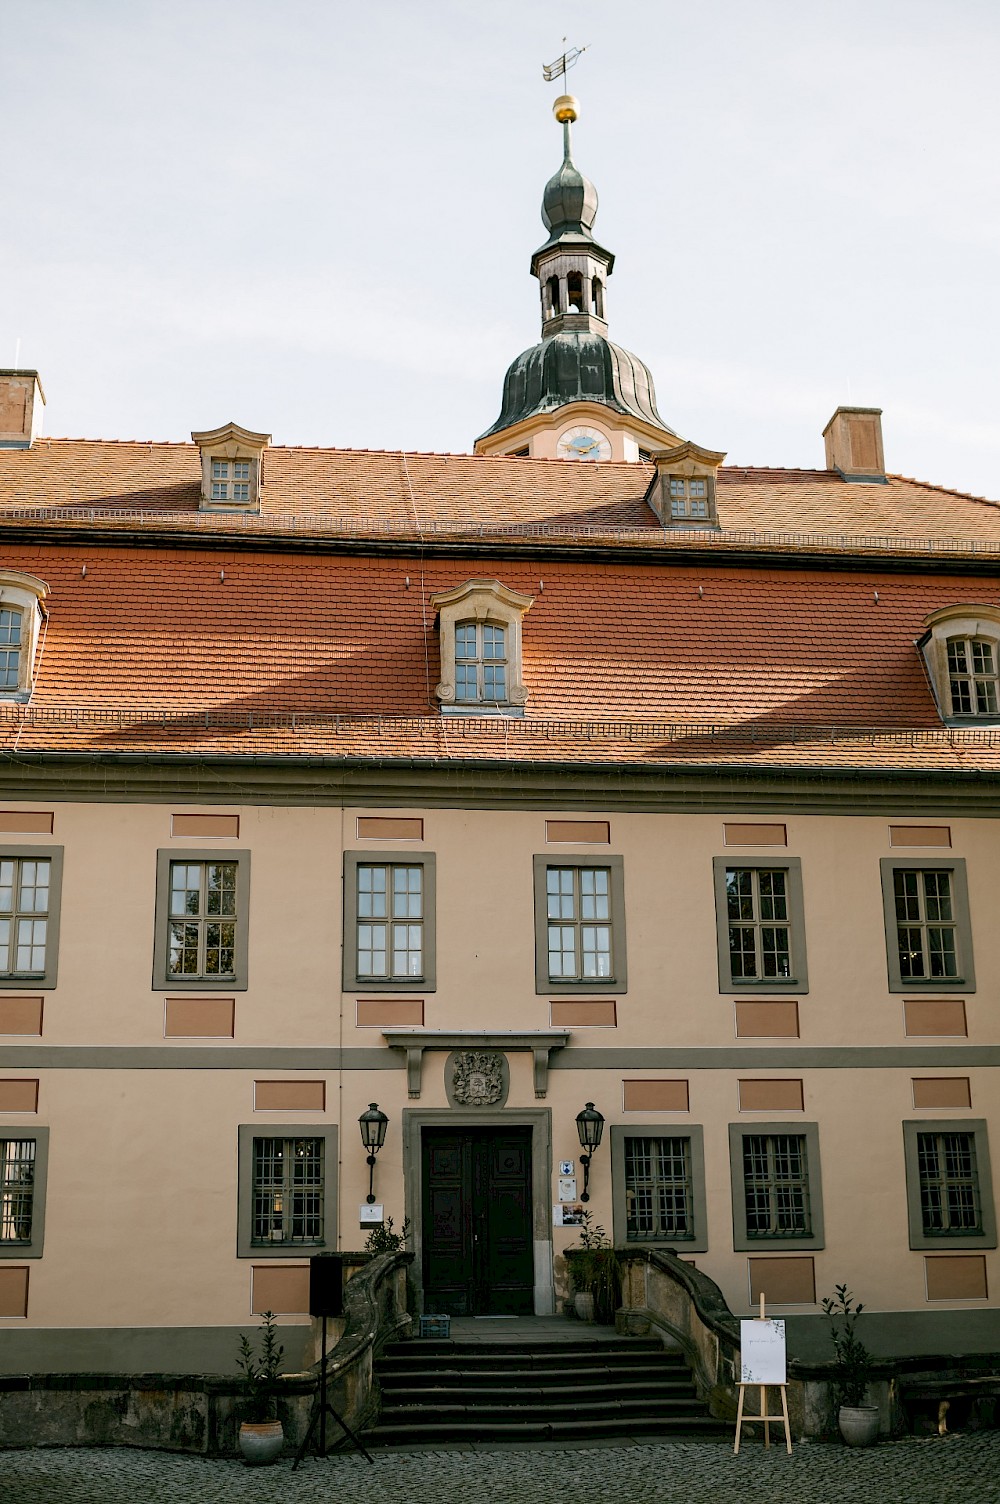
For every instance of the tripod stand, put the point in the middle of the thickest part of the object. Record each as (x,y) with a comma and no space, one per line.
(322,1407)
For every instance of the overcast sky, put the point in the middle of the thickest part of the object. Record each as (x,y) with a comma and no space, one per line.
(316,218)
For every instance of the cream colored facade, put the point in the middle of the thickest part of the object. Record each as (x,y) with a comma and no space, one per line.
(140,1265)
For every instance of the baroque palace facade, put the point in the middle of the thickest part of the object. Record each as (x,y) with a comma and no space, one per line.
(581,769)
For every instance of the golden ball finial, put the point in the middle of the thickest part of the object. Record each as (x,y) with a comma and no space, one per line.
(566,107)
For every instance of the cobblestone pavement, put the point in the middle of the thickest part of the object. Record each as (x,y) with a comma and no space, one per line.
(925,1470)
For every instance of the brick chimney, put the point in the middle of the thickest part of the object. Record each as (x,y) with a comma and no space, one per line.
(21,404)
(854,444)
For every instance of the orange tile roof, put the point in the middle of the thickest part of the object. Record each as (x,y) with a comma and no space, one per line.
(625,661)
(413,493)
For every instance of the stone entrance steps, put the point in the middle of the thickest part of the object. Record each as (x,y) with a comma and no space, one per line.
(438,1391)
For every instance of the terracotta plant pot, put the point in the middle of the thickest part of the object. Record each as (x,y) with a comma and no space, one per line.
(858,1424)
(261,1441)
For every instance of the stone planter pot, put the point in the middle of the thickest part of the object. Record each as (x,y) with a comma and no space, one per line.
(858,1424)
(261,1441)
(583,1305)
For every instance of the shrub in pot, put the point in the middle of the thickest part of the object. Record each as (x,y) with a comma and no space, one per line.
(853,1364)
(261,1436)
(596,1272)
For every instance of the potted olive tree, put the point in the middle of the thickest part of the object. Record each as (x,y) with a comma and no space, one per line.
(261,1436)
(596,1272)
(858,1422)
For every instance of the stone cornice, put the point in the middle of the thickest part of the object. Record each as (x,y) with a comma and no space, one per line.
(716,551)
(488,783)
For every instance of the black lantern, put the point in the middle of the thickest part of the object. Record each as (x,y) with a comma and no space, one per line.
(373,1124)
(590,1126)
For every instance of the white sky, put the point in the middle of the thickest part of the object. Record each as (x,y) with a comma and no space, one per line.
(316,217)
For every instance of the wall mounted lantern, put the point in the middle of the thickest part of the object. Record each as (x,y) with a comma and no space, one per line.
(590,1126)
(373,1125)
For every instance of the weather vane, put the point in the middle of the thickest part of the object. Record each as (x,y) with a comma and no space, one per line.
(562,65)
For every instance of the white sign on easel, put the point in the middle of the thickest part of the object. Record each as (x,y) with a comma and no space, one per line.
(762,1352)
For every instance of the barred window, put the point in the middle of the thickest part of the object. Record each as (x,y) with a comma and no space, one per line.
(926,925)
(949,1183)
(287,1190)
(10,648)
(203,919)
(658,1189)
(24,915)
(972,675)
(759,922)
(776,1186)
(578,908)
(390,921)
(480,663)
(17,1189)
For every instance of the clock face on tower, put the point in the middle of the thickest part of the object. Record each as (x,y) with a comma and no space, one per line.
(583,443)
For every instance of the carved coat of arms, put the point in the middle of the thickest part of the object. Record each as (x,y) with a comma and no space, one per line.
(477,1078)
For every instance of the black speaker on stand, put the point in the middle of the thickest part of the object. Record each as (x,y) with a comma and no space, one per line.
(326,1298)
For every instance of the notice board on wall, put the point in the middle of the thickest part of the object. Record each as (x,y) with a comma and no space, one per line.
(762,1352)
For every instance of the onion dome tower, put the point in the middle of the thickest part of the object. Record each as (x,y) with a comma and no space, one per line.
(575,395)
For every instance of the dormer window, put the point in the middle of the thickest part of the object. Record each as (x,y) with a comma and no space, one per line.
(231,465)
(480,625)
(961,649)
(21,597)
(683,493)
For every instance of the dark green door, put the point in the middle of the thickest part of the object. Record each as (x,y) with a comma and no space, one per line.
(477,1222)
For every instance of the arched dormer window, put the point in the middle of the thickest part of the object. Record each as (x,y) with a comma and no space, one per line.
(961,649)
(21,597)
(480,625)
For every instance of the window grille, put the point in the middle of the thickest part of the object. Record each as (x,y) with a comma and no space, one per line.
(759,922)
(949,1183)
(24,915)
(10,648)
(926,928)
(658,1188)
(480,663)
(972,676)
(17,1189)
(390,939)
(202,928)
(776,1185)
(287,1190)
(578,903)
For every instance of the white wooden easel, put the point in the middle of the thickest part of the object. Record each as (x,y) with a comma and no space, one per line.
(764,1419)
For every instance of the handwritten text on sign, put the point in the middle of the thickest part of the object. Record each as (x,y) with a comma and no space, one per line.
(762,1352)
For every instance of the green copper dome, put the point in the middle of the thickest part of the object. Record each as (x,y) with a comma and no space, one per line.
(569,201)
(576,365)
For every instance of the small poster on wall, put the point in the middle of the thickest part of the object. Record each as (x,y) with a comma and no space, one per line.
(568,1216)
(762,1352)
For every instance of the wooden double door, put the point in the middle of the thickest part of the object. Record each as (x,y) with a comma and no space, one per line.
(478,1258)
